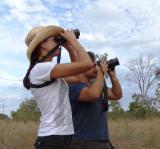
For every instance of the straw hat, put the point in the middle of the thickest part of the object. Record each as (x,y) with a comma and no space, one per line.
(39,34)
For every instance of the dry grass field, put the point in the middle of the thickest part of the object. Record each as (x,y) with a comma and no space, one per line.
(135,134)
(125,134)
(17,135)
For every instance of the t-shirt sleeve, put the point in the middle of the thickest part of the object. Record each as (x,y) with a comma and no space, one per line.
(41,72)
(75,90)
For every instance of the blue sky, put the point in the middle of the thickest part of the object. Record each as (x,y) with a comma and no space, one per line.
(123,29)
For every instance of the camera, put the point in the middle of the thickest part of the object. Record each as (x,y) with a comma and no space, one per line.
(111,63)
(61,40)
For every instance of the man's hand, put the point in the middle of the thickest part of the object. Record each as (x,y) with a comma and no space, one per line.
(103,66)
(111,73)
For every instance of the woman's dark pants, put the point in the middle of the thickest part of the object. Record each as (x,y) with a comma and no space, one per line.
(53,142)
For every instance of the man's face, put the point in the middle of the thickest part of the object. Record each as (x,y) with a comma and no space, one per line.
(92,73)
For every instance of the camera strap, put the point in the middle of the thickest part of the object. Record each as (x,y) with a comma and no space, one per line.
(51,52)
(105,97)
(58,61)
(104,94)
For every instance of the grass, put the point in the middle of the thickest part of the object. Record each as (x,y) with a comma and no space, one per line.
(17,135)
(135,134)
(125,134)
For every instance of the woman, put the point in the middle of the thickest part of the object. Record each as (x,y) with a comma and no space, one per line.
(56,125)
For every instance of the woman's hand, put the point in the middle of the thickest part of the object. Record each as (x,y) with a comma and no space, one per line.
(68,46)
(69,36)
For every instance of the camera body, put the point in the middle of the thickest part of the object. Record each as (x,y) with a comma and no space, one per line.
(61,40)
(111,63)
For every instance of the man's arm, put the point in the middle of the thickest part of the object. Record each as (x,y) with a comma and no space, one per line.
(114,93)
(93,92)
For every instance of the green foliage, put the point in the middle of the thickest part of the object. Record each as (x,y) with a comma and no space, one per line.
(139,108)
(143,108)
(3,117)
(27,111)
(156,102)
(157,92)
(115,110)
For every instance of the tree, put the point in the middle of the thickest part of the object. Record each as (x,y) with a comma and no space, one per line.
(115,106)
(4,117)
(27,111)
(116,111)
(156,101)
(101,56)
(142,108)
(143,72)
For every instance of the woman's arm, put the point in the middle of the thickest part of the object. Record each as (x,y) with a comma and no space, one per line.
(84,62)
(71,51)
(70,69)
(82,55)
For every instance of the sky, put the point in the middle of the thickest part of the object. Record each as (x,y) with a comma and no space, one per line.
(121,28)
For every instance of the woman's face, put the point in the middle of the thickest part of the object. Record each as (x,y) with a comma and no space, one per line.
(49,44)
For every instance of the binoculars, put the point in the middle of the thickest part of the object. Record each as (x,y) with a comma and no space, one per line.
(61,40)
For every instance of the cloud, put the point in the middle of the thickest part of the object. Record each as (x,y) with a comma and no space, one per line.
(122,29)
(8,79)
(29,13)
(123,24)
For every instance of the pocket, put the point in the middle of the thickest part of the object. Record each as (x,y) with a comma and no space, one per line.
(37,144)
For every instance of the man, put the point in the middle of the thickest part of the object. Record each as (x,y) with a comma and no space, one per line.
(89,118)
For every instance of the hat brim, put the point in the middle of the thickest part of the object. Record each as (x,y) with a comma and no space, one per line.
(41,36)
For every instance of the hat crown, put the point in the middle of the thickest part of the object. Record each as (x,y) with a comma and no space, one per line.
(38,34)
(32,34)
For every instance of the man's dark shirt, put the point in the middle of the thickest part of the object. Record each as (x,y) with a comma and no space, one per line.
(90,122)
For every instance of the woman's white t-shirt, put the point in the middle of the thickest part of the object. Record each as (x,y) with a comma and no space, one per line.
(52,101)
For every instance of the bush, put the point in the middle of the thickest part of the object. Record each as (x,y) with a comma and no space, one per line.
(27,111)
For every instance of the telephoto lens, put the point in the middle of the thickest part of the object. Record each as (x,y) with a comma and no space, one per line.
(59,39)
(112,63)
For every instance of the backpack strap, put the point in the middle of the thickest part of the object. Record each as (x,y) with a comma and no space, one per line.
(42,85)
(58,61)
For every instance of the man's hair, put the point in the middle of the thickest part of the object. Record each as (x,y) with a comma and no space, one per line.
(91,55)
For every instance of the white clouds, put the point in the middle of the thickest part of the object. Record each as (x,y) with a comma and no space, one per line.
(129,25)
(122,28)
(10,42)
(8,79)
(93,37)
(30,13)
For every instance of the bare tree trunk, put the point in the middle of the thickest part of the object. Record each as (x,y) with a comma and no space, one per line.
(142,73)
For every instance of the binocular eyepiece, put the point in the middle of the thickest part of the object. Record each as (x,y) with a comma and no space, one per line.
(112,63)
(61,40)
